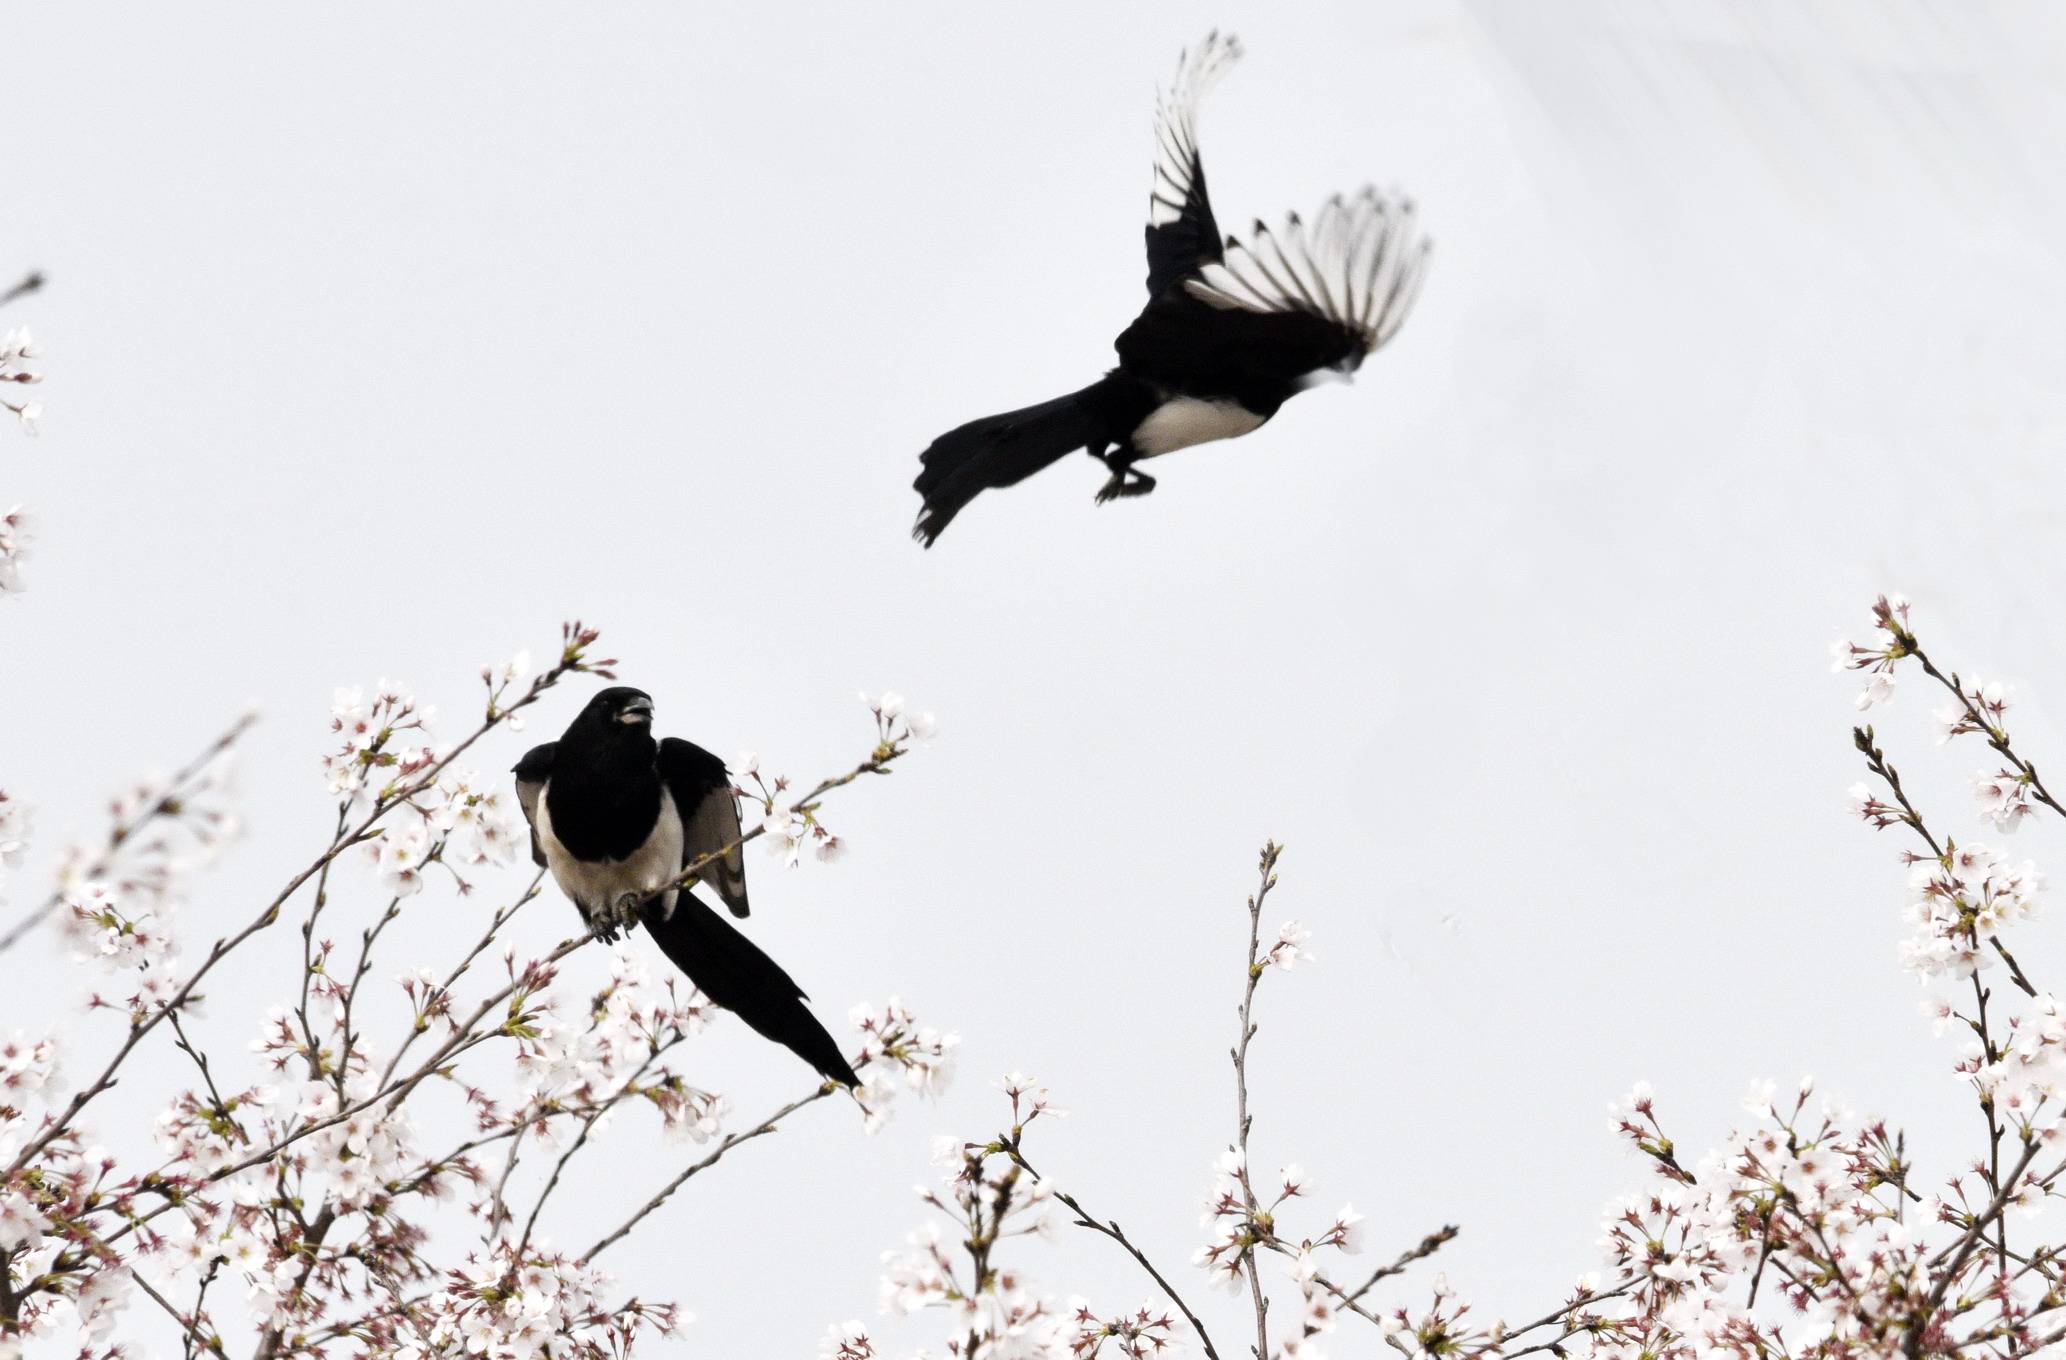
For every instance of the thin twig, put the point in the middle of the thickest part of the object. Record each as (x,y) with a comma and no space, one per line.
(730,1141)
(570,662)
(121,833)
(1112,1230)
(1243,1119)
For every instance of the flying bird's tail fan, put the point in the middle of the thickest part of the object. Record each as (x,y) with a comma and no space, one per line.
(1000,450)
(732,971)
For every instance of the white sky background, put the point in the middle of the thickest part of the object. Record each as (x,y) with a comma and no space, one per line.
(378,345)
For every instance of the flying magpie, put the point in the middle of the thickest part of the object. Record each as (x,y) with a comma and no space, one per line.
(1232,329)
(617,817)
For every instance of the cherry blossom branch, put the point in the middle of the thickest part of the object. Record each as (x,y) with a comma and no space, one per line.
(1560,1316)
(1267,866)
(629,1089)
(122,832)
(571,661)
(886,753)
(1876,761)
(190,1326)
(1959,1251)
(464,1036)
(1420,1251)
(213,1344)
(1976,712)
(501,918)
(730,1141)
(1011,1147)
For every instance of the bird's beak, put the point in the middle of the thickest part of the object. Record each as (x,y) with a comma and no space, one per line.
(638,710)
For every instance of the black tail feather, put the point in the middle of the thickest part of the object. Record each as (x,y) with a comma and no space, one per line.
(732,971)
(1000,450)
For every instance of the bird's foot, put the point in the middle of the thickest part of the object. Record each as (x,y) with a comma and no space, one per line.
(627,910)
(618,918)
(1124,484)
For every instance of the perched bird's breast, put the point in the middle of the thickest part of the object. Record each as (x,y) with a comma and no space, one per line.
(595,877)
(1181,421)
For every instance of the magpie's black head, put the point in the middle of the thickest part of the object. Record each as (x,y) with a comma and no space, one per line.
(617,714)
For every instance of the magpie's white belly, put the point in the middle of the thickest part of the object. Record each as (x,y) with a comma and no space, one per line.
(597,885)
(1181,422)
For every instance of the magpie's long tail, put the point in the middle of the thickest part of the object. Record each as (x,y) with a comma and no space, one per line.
(732,971)
(1001,450)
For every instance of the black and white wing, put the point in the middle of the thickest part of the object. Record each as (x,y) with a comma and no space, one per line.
(1182,235)
(1355,269)
(702,791)
(531,773)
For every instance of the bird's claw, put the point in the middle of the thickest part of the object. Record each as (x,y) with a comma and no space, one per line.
(618,919)
(1122,487)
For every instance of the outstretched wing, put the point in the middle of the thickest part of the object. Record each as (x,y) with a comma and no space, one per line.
(531,773)
(1182,236)
(732,971)
(702,792)
(1355,270)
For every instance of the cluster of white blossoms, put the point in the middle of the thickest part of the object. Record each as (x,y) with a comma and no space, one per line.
(1811,1233)
(462,821)
(2003,797)
(1962,901)
(379,741)
(2027,1076)
(1236,1230)
(1800,1236)
(161,830)
(301,1205)
(1878,659)
(988,1197)
(608,1053)
(788,832)
(1289,950)
(895,723)
(28,1067)
(898,1053)
(360,1145)
(990,1308)
(78,1310)
(789,829)
(130,938)
(512,1304)
(17,529)
(16,818)
(121,898)
(17,348)
(1140,1335)
(17,532)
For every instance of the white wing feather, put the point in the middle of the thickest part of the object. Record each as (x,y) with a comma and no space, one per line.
(1358,264)
(1176,123)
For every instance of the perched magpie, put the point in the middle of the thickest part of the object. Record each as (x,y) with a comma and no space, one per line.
(617,817)
(1230,332)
